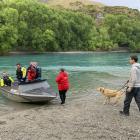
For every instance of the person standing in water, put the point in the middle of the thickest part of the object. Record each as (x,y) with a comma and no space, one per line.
(63,84)
(133,89)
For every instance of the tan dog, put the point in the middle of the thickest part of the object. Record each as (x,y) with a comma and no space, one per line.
(108,93)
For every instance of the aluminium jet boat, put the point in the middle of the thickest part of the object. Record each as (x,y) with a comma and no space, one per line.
(36,91)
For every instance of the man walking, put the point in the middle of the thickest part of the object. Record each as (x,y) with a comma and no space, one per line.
(133,89)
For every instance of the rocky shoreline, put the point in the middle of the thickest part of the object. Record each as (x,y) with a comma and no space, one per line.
(83,118)
(68,52)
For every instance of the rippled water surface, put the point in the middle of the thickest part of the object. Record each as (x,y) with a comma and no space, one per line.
(87,71)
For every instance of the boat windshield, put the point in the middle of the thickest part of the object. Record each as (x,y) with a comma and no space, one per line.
(36,88)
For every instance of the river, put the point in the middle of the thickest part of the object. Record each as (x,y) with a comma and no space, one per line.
(86,71)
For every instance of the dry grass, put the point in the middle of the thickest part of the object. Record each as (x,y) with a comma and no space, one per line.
(67,3)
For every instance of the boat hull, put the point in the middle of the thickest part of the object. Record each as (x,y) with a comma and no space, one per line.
(38,91)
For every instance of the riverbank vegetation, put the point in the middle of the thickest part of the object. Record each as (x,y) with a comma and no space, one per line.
(29,25)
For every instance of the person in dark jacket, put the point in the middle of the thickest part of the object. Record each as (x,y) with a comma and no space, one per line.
(38,73)
(63,84)
(21,73)
(6,80)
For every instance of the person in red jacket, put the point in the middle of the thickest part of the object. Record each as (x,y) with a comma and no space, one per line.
(31,74)
(63,84)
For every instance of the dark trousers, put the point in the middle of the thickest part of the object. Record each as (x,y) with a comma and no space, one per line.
(62,94)
(129,96)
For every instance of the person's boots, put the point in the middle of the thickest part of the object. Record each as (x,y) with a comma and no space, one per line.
(125,114)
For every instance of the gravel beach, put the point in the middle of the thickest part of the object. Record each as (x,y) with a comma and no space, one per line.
(82,118)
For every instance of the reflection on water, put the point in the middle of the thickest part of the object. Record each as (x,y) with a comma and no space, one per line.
(87,71)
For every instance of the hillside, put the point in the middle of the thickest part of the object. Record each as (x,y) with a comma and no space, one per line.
(122,10)
(93,8)
(71,3)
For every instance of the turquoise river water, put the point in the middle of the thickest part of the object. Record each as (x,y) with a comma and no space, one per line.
(86,71)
